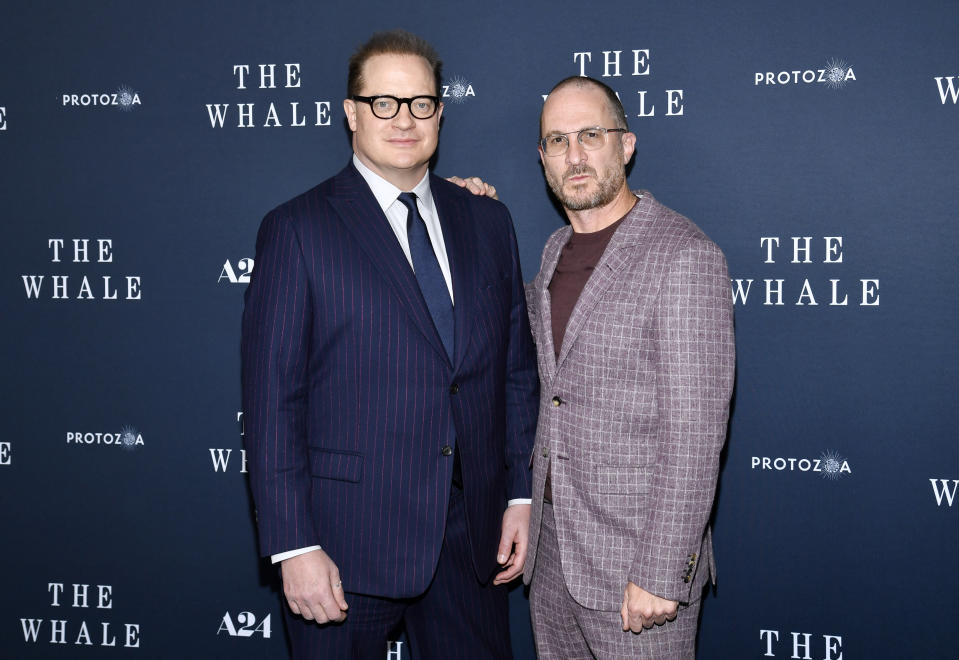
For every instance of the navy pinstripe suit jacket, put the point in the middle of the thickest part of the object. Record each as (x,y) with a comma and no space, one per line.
(349,396)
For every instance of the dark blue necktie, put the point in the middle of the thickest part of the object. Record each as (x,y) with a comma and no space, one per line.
(428,273)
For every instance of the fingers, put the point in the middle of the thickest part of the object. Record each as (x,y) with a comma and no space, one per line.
(328,603)
(475,185)
(629,612)
(656,618)
(320,606)
(513,567)
(331,607)
(325,605)
(519,555)
(641,610)
(479,187)
(339,595)
(294,607)
(513,542)
(313,589)
(505,550)
(637,622)
(508,575)
(506,558)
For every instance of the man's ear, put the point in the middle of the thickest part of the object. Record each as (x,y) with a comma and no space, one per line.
(349,108)
(629,146)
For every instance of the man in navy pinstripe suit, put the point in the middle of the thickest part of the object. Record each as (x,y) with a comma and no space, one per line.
(390,388)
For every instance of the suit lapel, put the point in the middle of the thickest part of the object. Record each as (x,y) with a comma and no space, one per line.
(353,200)
(458,227)
(544,302)
(615,257)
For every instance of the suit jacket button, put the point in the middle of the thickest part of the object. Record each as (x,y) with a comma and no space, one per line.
(454,388)
(545,452)
(447,450)
(557,401)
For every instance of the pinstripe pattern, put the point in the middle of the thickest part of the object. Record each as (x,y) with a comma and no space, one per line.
(347,387)
(454,618)
(645,375)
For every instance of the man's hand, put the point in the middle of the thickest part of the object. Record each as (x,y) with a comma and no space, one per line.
(475,185)
(642,609)
(311,584)
(513,543)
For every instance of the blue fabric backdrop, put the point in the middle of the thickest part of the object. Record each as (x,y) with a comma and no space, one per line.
(815,142)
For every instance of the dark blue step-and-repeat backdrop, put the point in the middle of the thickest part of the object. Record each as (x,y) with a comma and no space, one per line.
(141,143)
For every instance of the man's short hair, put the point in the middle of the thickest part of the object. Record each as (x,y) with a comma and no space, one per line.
(391,42)
(615,105)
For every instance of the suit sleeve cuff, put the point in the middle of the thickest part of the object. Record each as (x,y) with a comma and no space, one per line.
(280,556)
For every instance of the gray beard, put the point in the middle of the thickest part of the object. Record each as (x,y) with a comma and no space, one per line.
(610,184)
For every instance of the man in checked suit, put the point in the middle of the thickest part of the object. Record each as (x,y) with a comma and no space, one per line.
(389,385)
(632,318)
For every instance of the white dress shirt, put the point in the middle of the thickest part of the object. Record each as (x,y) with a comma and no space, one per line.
(387,195)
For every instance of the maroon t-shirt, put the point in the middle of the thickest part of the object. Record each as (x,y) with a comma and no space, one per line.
(576,263)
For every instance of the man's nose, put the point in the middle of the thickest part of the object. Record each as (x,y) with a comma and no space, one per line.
(404,118)
(575,153)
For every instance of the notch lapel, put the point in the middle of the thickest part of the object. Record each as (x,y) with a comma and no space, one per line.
(458,235)
(354,202)
(544,302)
(615,257)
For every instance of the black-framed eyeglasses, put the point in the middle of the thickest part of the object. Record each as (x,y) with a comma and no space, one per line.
(556,144)
(387,107)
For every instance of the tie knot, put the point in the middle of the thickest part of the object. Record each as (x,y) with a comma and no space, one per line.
(408,200)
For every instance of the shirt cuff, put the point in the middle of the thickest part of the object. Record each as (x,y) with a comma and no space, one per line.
(280,556)
(519,500)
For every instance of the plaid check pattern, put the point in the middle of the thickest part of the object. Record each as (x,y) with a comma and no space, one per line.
(633,412)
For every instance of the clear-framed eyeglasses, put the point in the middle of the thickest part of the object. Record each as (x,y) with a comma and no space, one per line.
(387,107)
(556,144)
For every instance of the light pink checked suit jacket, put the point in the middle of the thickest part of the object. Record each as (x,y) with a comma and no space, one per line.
(633,414)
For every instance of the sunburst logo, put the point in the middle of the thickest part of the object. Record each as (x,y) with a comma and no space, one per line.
(130,438)
(833,466)
(126,98)
(837,74)
(457,90)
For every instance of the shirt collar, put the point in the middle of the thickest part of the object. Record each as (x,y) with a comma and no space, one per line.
(386,193)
